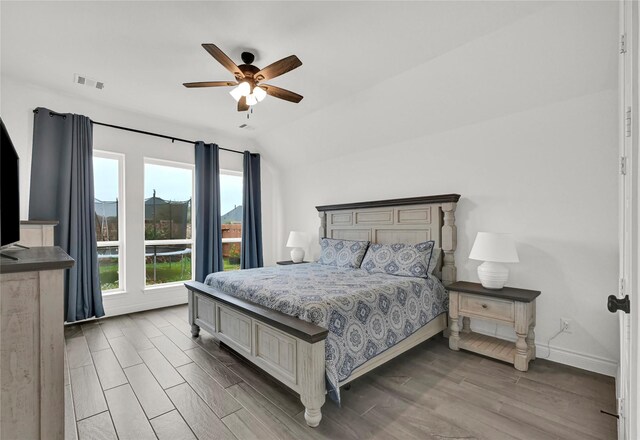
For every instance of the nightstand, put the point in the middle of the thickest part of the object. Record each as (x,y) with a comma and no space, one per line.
(507,306)
(289,262)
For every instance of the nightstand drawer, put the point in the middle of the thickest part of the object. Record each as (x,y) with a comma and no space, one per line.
(487,307)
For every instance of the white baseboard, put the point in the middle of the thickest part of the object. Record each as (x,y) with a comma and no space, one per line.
(123,309)
(585,361)
(576,359)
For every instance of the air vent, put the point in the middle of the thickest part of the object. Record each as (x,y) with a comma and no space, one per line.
(89,82)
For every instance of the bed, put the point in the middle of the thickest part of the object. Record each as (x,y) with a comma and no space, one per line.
(305,324)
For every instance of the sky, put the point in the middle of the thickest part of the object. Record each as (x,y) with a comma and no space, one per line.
(170,183)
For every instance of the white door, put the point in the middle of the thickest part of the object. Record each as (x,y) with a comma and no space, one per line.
(625,303)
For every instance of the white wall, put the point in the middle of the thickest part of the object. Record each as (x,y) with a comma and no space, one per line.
(19,100)
(523,124)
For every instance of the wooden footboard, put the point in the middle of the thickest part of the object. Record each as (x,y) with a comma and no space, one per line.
(285,347)
(289,349)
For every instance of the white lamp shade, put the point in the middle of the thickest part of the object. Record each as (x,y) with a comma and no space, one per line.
(259,93)
(244,88)
(251,99)
(297,239)
(495,247)
(236,93)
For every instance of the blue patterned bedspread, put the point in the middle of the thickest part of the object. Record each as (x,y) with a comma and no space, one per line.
(365,313)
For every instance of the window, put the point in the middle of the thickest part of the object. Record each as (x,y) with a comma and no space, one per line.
(168,213)
(231,209)
(107,177)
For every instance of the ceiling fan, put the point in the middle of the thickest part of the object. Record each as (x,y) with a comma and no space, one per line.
(250,90)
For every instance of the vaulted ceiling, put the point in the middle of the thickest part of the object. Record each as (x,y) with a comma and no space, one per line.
(352,52)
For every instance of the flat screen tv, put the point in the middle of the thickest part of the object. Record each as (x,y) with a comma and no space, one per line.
(9,191)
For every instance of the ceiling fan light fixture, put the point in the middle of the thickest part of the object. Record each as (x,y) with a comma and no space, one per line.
(246,91)
(251,99)
(243,89)
(259,93)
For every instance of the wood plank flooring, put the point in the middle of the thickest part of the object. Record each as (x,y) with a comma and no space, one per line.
(142,376)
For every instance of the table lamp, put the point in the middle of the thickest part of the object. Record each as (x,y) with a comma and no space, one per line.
(494,249)
(297,241)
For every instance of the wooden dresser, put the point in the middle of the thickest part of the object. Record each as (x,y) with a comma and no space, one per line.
(32,343)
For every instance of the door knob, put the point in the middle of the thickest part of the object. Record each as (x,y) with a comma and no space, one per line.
(614,304)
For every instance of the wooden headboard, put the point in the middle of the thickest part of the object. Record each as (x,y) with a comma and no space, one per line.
(410,220)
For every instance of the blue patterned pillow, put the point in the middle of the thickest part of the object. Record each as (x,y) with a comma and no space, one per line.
(433,263)
(400,259)
(342,253)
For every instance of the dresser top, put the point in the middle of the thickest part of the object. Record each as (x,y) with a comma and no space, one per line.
(35,259)
(521,295)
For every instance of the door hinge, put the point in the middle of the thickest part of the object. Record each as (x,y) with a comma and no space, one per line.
(620,407)
(621,286)
(623,43)
(623,165)
(627,122)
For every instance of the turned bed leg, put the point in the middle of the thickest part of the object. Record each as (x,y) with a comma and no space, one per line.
(311,364)
(195,330)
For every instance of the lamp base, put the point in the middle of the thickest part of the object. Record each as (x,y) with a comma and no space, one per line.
(493,275)
(297,255)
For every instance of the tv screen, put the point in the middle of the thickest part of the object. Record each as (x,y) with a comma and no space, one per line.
(9,192)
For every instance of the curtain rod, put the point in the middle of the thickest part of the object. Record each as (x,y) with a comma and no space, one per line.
(173,139)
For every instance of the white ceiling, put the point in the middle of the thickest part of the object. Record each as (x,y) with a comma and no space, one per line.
(144,51)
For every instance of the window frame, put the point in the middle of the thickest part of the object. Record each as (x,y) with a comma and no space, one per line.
(120,243)
(192,241)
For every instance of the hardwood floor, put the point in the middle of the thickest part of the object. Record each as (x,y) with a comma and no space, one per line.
(143,376)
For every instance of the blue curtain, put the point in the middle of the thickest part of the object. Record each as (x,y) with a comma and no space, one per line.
(62,189)
(208,228)
(251,254)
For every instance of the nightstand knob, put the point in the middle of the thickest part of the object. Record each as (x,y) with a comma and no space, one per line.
(484,306)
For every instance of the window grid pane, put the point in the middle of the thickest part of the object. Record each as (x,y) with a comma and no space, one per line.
(231,200)
(167,263)
(106,205)
(108,259)
(167,216)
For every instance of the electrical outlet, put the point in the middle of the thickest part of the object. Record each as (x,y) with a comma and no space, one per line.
(566,325)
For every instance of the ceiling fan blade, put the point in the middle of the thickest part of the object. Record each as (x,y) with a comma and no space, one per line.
(278,68)
(223,59)
(277,92)
(210,84)
(242,104)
